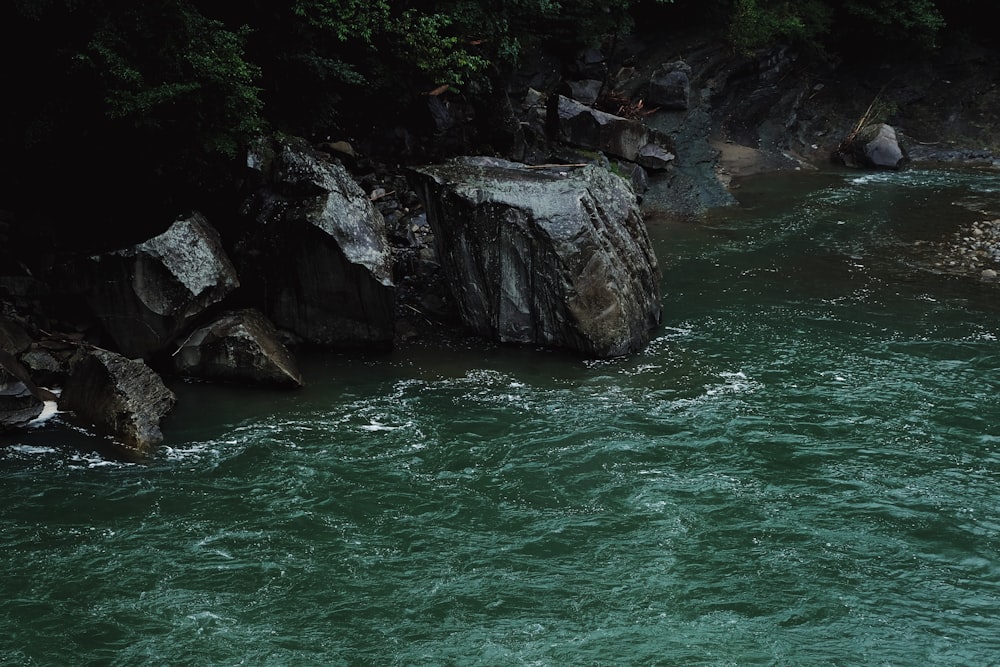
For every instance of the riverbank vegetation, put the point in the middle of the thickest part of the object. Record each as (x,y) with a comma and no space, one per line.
(139,105)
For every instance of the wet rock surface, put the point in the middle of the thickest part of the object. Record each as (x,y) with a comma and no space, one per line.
(240,347)
(318,255)
(147,294)
(544,256)
(121,397)
(580,125)
(17,404)
(874,146)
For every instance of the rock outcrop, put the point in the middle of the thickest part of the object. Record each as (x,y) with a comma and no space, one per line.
(121,397)
(241,347)
(318,254)
(148,294)
(547,257)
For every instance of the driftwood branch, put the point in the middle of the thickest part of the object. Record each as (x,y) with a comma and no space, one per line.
(867,115)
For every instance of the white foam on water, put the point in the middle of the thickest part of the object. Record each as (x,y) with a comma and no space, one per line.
(32,450)
(733,383)
(50,410)
(195,450)
(374,425)
(94,460)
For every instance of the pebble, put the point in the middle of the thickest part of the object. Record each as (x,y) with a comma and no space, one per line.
(973,251)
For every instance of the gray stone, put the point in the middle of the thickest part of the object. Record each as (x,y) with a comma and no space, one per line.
(635,175)
(319,252)
(653,156)
(591,64)
(13,337)
(17,404)
(549,257)
(121,397)
(585,91)
(579,125)
(670,87)
(11,369)
(148,294)
(874,146)
(44,366)
(883,149)
(241,347)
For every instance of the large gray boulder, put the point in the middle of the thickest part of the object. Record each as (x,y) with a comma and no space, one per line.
(241,347)
(577,124)
(318,251)
(147,294)
(547,257)
(121,397)
(874,146)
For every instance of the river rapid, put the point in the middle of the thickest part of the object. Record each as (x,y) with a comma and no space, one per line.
(801,469)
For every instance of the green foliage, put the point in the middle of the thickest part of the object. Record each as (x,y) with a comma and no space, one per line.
(169,88)
(435,49)
(173,66)
(344,19)
(919,21)
(816,24)
(760,23)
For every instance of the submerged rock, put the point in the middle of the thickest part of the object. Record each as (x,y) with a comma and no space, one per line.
(241,347)
(319,253)
(556,258)
(119,396)
(147,294)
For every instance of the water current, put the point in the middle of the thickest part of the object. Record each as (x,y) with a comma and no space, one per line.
(801,469)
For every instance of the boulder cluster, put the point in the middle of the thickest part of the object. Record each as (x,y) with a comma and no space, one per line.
(554,255)
(544,247)
(339,251)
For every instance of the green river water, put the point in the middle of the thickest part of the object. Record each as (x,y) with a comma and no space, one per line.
(803,468)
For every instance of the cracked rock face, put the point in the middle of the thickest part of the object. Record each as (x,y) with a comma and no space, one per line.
(119,396)
(319,251)
(17,405)
(146,295)
(241,347)
(579,125)
(547,257)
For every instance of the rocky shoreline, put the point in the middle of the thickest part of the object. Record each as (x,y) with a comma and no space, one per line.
(972,253)
(349,251)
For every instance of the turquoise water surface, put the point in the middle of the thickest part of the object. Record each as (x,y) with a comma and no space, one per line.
(801,469)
